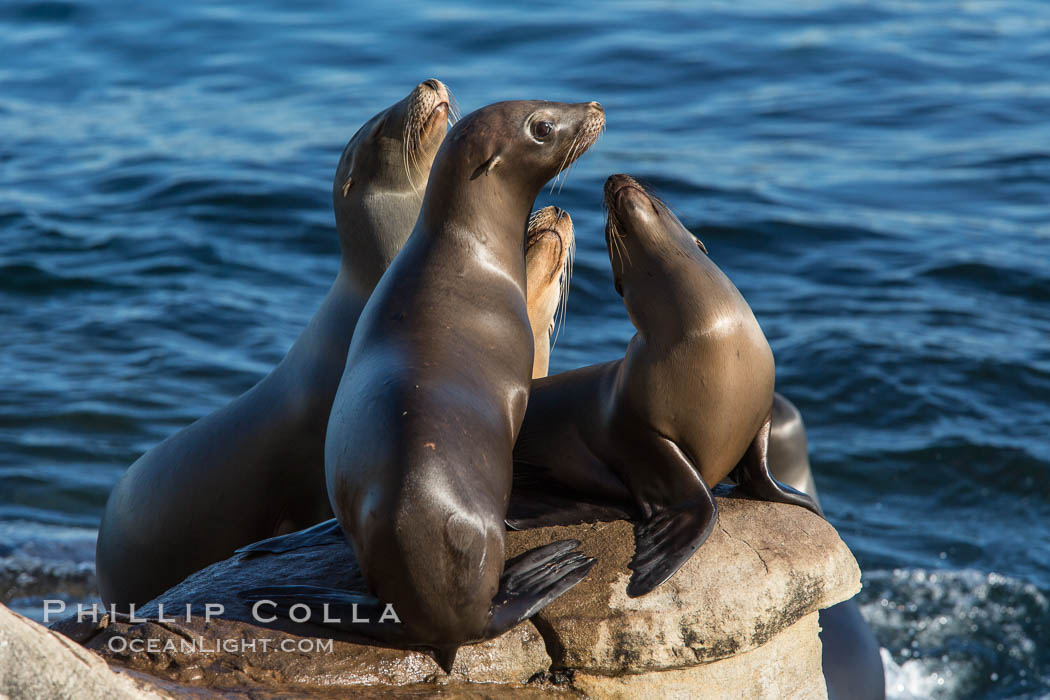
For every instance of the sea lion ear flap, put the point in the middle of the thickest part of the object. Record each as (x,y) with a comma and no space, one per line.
(486,167)
(700,245)
(347,185)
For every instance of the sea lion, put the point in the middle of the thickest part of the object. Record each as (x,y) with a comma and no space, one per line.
(788,449)
(548,268)
(255,468)
(850,653)
(418,451)
(379,182)
(646,437)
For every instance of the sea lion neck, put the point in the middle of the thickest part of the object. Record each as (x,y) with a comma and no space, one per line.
(484,215)
(388,215)
(480,212)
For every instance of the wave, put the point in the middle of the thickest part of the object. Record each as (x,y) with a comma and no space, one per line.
(42,562)
(959,633)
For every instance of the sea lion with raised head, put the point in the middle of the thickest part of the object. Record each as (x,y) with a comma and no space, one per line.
(548,267)
(418,453)
(255,468)
(647,437)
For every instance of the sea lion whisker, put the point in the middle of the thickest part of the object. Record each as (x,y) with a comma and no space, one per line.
(563,291)
(563,302)
(561,168)
(453,108)
(573,159)
(614,237)
(407,133)
(533,217)
(618,238)
(614,228)
(626,251)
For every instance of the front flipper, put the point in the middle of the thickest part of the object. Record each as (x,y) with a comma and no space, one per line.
(754,479)
(664,542)
(532,580)
(326,533)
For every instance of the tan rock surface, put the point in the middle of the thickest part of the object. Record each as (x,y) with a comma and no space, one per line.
(739,619)
(230,653)
(36,662)
(764,567)
(192,652)
(787,666)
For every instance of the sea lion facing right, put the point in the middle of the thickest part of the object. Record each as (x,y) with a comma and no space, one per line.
(418,451)
(648,436)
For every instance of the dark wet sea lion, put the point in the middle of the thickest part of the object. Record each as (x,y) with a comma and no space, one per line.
(648,436)
(255,468)
(851,661)
(418,452)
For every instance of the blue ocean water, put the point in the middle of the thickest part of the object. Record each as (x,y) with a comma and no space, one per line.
(874,176)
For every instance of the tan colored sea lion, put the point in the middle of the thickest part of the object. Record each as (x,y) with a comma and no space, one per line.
(548,267)
(647,437)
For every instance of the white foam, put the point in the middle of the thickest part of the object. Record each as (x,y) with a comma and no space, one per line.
(915,680)
(957,634)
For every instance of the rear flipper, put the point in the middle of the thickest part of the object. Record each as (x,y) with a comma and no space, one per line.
(754,479)
(326,533)
(664,542)
(530,581)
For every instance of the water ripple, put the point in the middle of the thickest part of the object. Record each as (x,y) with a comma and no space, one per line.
(873,176)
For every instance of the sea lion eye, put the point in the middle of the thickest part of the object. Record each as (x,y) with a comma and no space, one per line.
(542,129)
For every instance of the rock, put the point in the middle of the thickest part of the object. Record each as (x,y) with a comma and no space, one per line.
(765,567)
(229,653)
(739,620)
(257,653)
(36,662)
(787,666)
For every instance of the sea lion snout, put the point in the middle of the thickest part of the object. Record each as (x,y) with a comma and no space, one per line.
(431,89)
(435,85)
(625,196)
(430,107)
(551,224)
(591,129)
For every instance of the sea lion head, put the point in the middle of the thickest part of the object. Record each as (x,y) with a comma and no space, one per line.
(495,160)
(549,249)
(395,149)
(381,177)
(649,248)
